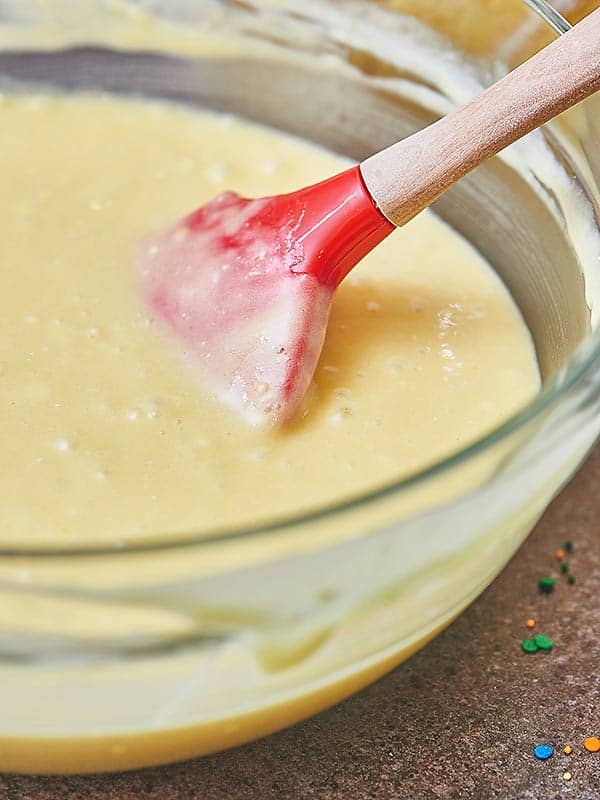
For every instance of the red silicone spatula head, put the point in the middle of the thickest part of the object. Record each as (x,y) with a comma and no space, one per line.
(246,286)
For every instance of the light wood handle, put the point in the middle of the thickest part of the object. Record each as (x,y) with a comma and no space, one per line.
(408,176)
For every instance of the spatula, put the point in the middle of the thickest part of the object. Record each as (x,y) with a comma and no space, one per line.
(246,286)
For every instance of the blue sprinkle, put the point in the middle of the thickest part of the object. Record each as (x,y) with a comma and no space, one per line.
(543,751)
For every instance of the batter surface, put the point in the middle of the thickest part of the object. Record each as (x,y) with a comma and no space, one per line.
(106,433)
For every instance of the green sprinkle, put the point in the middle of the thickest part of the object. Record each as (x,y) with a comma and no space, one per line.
(529,645)
(571,579)
(564,568)
(568,546)
(546,585)
(543,642)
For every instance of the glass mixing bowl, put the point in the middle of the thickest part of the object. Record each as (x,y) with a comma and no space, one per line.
(144,652)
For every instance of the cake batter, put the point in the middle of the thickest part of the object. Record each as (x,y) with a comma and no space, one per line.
(108,436)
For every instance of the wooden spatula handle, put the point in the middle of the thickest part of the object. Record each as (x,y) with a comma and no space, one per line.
(408,176)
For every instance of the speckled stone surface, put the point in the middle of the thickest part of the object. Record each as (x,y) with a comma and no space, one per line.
(457,721)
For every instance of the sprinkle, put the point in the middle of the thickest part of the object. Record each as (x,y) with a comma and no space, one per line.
(546,585)
(559,554)
(567,776)
(592,744)
(543,751)
(543,642)
(529,646)
(530,623)
(571,579)
(567,750)
(568,546)
(564,568)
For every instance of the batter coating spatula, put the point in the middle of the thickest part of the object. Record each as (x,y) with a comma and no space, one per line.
(246,285)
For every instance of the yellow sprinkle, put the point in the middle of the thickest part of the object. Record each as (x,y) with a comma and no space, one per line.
(567,776)
(530,623)
(568,750)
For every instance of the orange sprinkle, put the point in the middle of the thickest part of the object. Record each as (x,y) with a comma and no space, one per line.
(559,554)
(592,744)
(530,623)
(567,776)
(568,750)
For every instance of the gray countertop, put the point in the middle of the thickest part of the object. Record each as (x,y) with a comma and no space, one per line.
(458,720)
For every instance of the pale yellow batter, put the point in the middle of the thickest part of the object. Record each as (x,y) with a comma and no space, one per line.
(106,433)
